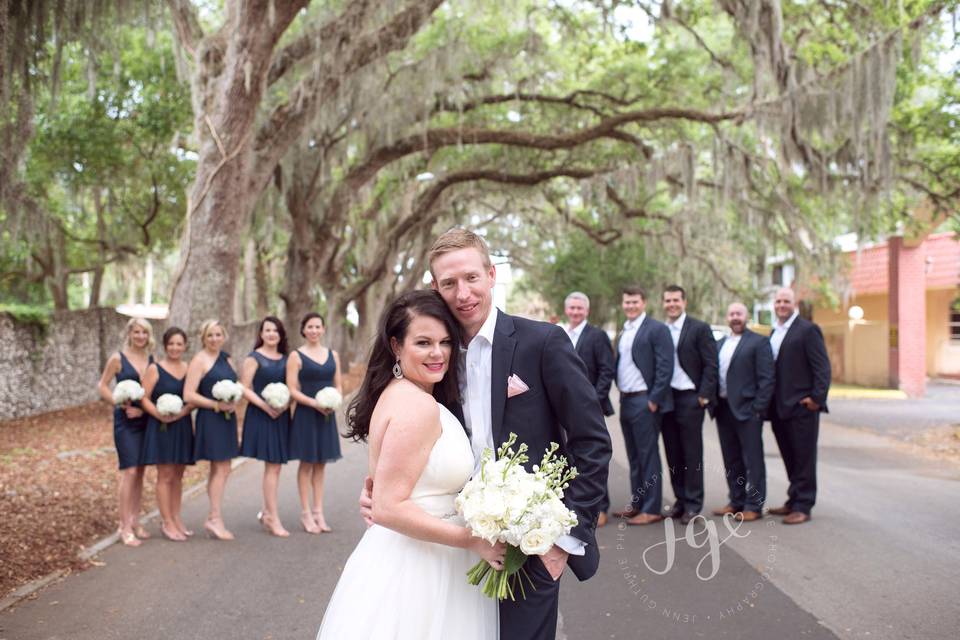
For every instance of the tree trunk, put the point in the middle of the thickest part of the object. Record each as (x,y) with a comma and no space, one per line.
(339,331)
(300,276)
(227,86)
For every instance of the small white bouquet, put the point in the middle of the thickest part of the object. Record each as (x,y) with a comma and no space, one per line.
(506,503)
(168,405)
(276,394)
(227,391)
(127,391)
(329,398)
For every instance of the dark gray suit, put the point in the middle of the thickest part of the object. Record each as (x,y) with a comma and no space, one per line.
(749,387)
(652,354)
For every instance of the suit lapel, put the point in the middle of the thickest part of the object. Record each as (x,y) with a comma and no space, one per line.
(792,331)
(582,340)
(504,345)
(683,332)
(736,349)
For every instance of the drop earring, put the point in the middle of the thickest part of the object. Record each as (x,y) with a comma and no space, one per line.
(397,371)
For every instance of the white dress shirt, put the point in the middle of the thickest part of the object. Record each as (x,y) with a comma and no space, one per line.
(680,381)
(575,332)
(726,355)
(629,378)
(476,373)
(779,333)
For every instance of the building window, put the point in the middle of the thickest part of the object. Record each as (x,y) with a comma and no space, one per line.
(955,321)
(777,275)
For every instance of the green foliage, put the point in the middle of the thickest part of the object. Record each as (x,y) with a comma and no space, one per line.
(102,166)
(577,263)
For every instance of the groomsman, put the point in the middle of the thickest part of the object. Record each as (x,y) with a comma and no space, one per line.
(694,387)
(746,386)
(593,346)
(644,367)
(802,380)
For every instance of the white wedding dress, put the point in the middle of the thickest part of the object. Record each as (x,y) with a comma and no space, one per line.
(398,588)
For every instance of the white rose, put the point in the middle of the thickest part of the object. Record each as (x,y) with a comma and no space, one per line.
(536,543)
(486,528)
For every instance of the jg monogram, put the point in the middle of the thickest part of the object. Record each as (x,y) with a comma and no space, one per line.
(692,536)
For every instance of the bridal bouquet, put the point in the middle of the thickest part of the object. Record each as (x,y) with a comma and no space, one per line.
(227,391)
(127,391)
(276,394)
(506,503)
(329,398)
(168,405)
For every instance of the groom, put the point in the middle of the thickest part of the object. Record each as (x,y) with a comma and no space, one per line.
(524,377)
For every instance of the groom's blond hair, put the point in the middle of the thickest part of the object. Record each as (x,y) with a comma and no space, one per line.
(456,239)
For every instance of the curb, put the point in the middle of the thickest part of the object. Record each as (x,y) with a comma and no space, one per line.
(94,550)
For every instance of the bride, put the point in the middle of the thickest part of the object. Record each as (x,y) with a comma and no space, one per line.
(407,577)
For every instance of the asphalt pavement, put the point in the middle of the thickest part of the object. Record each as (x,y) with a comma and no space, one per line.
(879,559)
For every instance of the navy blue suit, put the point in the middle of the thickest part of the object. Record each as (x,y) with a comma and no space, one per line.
(560,406)
(802,370)
(749,387)
(683,426)
(652,353)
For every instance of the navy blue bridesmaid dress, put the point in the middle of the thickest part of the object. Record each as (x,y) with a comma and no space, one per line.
(313,436)
(128,432)
(263,437)
(168,443)
(216,438)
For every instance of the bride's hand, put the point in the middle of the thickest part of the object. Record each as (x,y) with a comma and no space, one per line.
(492,553)
(366,501)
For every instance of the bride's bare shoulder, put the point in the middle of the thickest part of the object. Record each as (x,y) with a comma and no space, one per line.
(403,404)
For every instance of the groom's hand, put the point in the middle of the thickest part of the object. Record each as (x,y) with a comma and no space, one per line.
(555,561)
(366,501)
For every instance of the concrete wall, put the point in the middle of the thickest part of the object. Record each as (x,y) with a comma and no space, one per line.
(860,355)
(58,367)
(862,346)
(943,355)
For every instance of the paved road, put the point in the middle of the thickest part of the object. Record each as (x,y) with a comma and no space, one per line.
(900,417)
(880,559)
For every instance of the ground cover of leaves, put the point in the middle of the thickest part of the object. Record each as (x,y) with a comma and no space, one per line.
(58,483)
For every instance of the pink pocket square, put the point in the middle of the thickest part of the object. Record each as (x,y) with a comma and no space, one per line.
(516,386)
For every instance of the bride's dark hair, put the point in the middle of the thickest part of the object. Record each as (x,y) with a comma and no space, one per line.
(394,323)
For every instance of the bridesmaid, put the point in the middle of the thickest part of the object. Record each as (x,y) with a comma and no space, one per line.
(169,439)
(129,424)
(266,430)
(216,437)
(313,435)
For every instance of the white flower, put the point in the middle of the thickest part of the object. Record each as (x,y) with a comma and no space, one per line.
(537,542)
(276,394)
(169,404)
(329,398)
(127,391)
(227,391)
(486,528)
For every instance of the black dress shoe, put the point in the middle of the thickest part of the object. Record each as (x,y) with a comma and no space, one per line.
(687,517)
(676,512)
